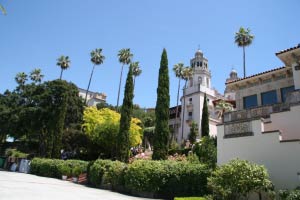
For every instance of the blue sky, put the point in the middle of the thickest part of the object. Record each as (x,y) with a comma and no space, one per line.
(35,33)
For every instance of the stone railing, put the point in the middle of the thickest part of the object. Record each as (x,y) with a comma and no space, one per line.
(262,111)
(293,97)
(238,129)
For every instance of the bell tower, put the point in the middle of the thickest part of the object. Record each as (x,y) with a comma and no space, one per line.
(202,75)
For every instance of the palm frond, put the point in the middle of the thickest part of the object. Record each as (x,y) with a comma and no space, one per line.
(2,9)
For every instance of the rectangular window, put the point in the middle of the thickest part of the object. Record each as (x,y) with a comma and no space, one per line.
(269,97)
(190,114)
(250,101)
(285,91)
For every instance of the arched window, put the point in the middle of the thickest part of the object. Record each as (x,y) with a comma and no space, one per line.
(199,80)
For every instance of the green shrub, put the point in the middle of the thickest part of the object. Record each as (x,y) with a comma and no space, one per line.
(55,168)
(106,172)
(206,151)
(64,170)
(238,179)
(167,178)
(289,194)
(76,171)
(15,153)
(46,167)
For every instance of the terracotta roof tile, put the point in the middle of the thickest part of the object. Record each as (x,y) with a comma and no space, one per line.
(255,75)
(286,50)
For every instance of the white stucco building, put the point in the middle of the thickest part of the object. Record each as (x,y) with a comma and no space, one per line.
(192,100)
(93,98)
(265,128)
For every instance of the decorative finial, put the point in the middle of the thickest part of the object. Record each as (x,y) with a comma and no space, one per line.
(198,46)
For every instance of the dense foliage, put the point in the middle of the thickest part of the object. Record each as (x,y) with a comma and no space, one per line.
(123,143)
(106,172)
(193,132)
(40,112)
(161,178)
(167,178)
(290,194)
(102,127)
(55,168)
(238,179)
(205,119)
(161,135)
(206,151)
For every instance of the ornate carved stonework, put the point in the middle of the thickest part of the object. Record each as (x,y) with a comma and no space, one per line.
(238,129)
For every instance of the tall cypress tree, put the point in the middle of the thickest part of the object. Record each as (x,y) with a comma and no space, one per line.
(126,112)
(205,119)
(161,135)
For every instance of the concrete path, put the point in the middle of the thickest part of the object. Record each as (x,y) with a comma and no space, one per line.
(16,186)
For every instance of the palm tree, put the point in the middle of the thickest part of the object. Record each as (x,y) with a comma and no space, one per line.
(136,71)
(64,63)
(125,58)
(21,78)
(178,68)
(2,9)
(222,107)
(36,76)
(97,59)
(187,72)
(243,38)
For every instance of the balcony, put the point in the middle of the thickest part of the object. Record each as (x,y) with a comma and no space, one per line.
(189,106)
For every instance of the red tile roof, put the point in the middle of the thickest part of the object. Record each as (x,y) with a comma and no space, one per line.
(255,75)
(286,50)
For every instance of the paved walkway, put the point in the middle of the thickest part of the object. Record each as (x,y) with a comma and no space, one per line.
(15,186)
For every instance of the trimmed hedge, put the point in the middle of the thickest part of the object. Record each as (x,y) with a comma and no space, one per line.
(163,179)
(167,178)
(106,172)
(155,178)
(55,168)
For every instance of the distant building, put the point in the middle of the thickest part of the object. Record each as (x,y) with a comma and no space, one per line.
(265,126)
(93,98)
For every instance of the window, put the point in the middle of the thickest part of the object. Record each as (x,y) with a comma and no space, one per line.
(190,100)
(197,64)
(190,115)
(191,82)
(199,80)
(250,101)
(269,97)
(285,91)
(200,64)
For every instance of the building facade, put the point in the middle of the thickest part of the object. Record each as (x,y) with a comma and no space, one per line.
(93,98)
(265,127)
(192,100)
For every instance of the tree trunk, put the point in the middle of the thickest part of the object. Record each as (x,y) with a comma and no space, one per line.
(61,72)
(120,86)
(177,104)
(183,111)
(244,56)
(87,91)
